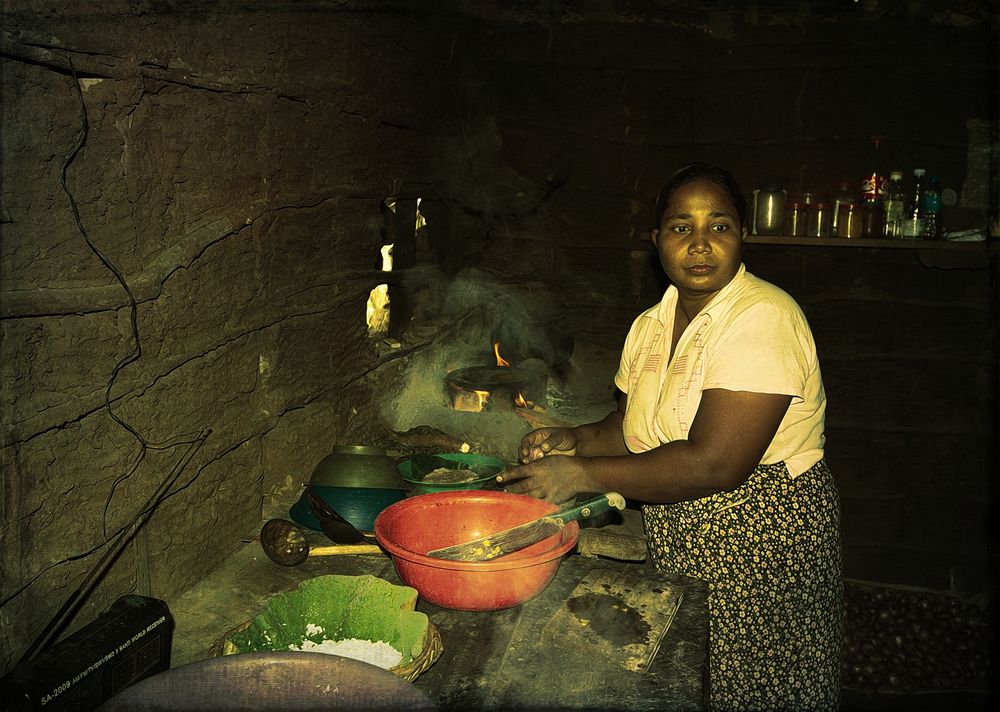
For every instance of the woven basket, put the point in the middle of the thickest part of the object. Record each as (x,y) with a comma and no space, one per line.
(428,656)
(409,672)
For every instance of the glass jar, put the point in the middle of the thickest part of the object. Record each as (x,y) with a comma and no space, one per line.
(769,210)
(819,222)
(871,220)
(795,219)
(849,220)
(842,195)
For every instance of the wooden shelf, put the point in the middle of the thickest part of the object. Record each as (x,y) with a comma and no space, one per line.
(858,242)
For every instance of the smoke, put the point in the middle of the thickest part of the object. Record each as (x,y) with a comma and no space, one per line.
(460,320)
(464,323)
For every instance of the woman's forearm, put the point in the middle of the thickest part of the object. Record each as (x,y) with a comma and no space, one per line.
(605,437)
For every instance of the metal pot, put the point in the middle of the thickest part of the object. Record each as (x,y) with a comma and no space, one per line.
(357,466)
(271,681)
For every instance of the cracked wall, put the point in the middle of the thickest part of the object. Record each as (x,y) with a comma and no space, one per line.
(235,159)
(230,170)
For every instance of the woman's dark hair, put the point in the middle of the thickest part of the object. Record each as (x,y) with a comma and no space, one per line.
(698,171)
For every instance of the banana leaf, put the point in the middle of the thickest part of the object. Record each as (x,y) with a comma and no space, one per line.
(336,607)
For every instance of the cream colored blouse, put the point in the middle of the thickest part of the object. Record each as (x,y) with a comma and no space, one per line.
(751,337)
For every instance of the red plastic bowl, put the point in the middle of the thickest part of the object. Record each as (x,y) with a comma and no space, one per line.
(410,528)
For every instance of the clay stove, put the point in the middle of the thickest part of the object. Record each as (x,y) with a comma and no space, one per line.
(499,387)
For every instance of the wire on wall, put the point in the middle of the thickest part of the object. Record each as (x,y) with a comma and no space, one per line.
(72,604)
(136,352)
(119,539)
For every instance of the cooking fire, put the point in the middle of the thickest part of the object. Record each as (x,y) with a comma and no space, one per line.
(497,388)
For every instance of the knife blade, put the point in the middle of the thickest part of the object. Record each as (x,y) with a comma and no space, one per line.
(524,535)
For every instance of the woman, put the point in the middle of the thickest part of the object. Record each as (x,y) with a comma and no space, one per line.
(719,433)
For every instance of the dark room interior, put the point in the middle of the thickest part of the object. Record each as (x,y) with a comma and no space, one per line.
(237,234)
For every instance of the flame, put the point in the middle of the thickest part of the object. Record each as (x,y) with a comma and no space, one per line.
(500,359)
(470,401)
(519,399)
(475,400)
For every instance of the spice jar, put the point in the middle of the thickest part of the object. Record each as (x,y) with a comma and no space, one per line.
(871,220)
(849,220)
(841,196)
(819,221)
(795,219)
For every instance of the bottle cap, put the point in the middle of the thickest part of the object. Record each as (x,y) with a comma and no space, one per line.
(896,175)
(919,171)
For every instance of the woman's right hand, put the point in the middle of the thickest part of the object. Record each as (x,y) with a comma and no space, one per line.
(547,441)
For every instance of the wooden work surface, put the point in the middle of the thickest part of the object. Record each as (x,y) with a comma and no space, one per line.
(603,635)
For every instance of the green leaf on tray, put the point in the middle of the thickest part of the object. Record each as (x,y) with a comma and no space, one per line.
(343,607)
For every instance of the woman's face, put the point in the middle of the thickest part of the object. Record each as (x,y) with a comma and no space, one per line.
(700,240)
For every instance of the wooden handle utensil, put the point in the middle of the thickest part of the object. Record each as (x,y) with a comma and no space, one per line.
(286,544)
(345,549)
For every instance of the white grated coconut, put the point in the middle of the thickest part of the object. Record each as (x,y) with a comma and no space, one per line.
(374,652)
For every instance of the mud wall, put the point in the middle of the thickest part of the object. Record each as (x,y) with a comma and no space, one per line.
(193,203)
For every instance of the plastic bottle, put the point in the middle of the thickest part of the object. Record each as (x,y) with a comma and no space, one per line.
(913,216)
(895,206)
(873,184)
(932,209)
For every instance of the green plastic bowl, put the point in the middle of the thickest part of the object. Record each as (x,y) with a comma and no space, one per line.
(486,466)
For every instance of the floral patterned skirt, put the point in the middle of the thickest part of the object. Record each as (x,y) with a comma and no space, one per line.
(770,551)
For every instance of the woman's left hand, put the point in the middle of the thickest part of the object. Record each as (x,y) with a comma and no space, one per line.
(556,478)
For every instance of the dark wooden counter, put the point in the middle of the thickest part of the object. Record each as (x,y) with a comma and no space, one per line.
(535,656)
(541,656)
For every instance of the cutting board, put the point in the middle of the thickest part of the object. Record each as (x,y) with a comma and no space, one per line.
(608,627)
